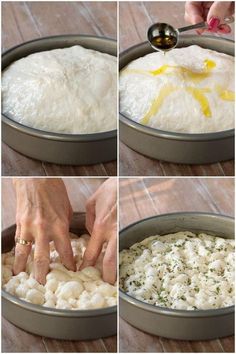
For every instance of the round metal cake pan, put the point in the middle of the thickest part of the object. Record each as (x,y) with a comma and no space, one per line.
(177,147)
(53,323)
(67,149)
(170,323)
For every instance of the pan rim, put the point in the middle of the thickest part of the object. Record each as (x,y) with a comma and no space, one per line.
(104,311)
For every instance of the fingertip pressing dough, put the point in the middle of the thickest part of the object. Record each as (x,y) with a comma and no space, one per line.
(64,289)
(187,90)
(70,90)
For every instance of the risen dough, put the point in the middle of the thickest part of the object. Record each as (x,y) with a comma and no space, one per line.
(189,90)
(70,90)
(64,289)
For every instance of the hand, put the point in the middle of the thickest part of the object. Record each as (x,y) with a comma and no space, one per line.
(43,214)
(101,222)
(213,12)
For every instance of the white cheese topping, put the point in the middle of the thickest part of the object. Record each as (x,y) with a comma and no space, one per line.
(180,271)
(70,90)
(187,90)
(64,289)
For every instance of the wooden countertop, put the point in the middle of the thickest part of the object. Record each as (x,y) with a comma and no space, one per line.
(135,18)
(23,21)
(16,340)
(140,198)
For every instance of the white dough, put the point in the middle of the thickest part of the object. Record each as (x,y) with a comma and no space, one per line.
(187,90)
(52,285)
(71,90)
(70,290)
(173,271)
(64,289)
(35,296)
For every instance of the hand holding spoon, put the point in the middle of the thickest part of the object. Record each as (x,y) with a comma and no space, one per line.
(164,37)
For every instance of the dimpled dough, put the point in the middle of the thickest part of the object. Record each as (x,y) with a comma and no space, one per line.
(64,289)
(183,271)
(69,90)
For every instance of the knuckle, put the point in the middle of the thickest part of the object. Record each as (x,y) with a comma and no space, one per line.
(67,252)
(99,224)
(24,221)
(110,261)
(20,252)
(39,222)
(62,226)
(90,257)
(41,260)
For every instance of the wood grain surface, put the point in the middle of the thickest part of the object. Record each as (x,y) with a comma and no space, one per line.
(144,197)
(16,340)
(23,21)
(134,20)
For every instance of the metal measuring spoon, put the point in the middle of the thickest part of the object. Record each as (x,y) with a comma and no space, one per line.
(164,37)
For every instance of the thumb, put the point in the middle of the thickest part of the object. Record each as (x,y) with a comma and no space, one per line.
(217,13)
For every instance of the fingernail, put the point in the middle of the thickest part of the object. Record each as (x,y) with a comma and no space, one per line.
(71,266)
(213,24)
(15,271)
(40,279)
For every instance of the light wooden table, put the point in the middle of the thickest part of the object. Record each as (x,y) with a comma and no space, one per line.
(135,18)
(23,21)
(141,198)
(16,340)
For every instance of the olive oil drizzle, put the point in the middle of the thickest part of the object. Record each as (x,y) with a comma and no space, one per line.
(197,93)
(225,95)
(189,74)
(169,69)
(157,102)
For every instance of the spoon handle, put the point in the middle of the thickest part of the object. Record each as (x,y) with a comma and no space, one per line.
(197,25)
(228,19)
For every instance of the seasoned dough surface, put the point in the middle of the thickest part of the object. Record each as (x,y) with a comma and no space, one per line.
(70,90)
(182,271)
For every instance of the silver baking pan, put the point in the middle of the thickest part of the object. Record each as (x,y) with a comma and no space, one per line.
(177,147)
(170,323)
(53,323)
(68,149)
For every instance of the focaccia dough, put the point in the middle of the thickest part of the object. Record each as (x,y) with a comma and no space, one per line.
(70,90)
(187,90)
(64,289)
(182,271)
